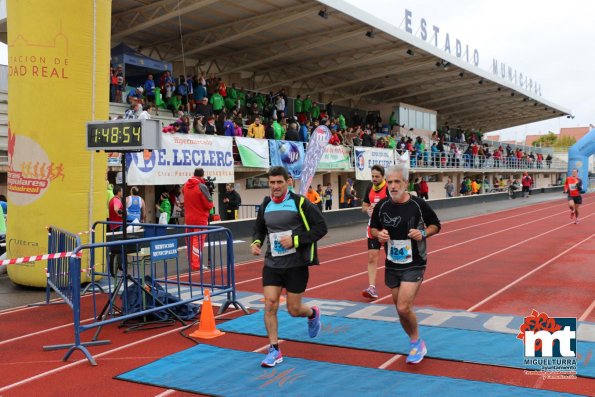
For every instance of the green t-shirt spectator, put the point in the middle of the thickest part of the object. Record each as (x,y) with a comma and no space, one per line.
(217,101)
(307,105)
(392,121)
(298,106)
(278,130)
(232,93)
(165,207)
(342,123)
(315,112)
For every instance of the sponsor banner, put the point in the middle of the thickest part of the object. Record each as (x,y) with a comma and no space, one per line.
(253,152)
(179,156)
(335,157)
(288,154)
(366,157)
(314,151)
(51,178)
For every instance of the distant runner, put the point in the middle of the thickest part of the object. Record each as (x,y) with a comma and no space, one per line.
(573,187)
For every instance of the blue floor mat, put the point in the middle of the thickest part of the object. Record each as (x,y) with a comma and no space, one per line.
(490,348)
(216,371)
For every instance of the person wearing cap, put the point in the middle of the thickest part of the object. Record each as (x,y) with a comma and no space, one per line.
(204,108)
(136,96)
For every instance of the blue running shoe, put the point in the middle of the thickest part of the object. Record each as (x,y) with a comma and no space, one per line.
(314,324)
(417,352)
(273,358)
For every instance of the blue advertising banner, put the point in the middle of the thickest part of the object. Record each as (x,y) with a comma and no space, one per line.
(164,249)
(288,154)
(314,151)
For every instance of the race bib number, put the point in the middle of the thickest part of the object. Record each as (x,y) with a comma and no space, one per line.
(572,186)
(400,251)
(276,248)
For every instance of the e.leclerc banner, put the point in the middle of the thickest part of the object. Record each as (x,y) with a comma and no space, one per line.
(288,154)
(179,156)
(366,157)
(314,151)
(253,152)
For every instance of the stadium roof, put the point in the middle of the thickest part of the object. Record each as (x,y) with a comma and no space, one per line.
(328,48)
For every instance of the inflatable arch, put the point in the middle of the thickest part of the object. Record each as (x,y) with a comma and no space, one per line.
(578,157)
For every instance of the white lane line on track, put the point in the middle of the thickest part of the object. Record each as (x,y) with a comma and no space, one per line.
(485,257)
(528,274)
(587,312)
(105,353)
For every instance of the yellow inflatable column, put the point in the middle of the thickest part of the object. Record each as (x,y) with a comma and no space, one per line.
(58,78)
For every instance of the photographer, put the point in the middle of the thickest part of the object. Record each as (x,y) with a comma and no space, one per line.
(197,205)
(232,202)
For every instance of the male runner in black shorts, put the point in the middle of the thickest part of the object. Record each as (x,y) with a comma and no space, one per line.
(404,222)
(293,226)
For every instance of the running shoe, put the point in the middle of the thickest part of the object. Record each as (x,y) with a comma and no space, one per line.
(576,221)
(273,358)
(370,292)
(417,352)
(571,214)
(314,324)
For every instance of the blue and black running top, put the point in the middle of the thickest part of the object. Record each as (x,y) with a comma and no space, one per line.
(133,208)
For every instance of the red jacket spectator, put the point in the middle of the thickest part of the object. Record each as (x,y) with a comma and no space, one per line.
(335,140)
(197,200)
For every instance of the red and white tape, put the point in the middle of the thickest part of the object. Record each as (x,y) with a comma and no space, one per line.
(24,259)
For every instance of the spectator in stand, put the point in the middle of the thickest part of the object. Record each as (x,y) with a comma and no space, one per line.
(315,111)
(334,139)
(304,132)
(449,187)
(292,133)
(217,102)
(256,130)
(464,191)
(367,139)
(121,83)
(381,143)
(210,128)
(135,96)
(307,106)
(330,111)
(147,112)
(149,87)
(113,87)
(219,124)
(198,126)
(278,129)
(204,107)
(548,160)
(133,112)
(539,160)
(298,105)
(321,194)
(237,127)
(184,122)
(280,106)
(475,187)
(314,197)
(222,88)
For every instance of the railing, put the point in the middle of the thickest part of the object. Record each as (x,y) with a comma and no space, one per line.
(248,211)
(170,282)
(452,160)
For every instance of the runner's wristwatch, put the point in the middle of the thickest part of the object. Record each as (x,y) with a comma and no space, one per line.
(423,233)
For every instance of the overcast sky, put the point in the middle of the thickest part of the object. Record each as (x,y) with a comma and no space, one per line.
(549,41)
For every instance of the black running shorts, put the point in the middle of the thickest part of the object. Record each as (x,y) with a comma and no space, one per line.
(393,277)
(374,244)
(294,279)
(576,199)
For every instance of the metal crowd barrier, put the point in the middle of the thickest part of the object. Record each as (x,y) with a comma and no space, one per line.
(154,269)
(58,271)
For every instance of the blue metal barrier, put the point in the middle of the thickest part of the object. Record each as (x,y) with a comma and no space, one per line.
(121,267)
(58,274)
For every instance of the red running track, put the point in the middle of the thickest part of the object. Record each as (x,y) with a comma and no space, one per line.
(506,262)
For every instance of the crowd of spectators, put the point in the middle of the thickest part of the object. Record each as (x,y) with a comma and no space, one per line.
(208,106)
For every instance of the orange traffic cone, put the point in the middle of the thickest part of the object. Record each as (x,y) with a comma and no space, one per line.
(206,328)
